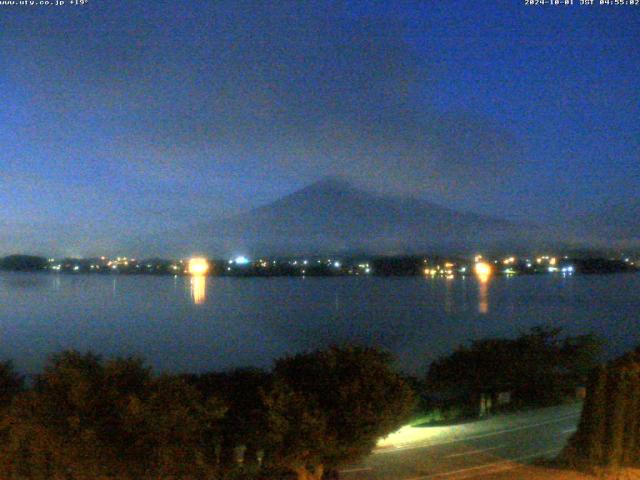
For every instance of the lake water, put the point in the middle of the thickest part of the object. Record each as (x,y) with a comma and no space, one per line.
(178,324)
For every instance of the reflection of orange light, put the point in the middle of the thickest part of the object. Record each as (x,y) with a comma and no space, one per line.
(198,266)
(199,289)
(483,271)
(483,297)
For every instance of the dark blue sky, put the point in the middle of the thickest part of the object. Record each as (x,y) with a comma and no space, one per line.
(126,119)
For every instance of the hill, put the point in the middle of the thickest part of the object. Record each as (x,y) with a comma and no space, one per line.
(333,216)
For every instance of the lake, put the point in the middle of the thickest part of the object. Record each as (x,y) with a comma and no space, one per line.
(183,324)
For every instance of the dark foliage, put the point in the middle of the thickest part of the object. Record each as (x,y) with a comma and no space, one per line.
(23,263)
(609,430)
(86,418)
(11,384)
(538,367)
(245,420)
(601,265)
(329,407)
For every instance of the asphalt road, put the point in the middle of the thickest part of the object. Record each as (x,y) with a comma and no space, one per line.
(478,449)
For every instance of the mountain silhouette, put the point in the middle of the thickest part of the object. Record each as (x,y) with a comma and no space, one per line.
(333,216)
(613,224)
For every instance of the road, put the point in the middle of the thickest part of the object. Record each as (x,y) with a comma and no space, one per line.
(478,449)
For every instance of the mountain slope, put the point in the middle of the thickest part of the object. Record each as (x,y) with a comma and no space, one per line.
(331,216)
(614,224)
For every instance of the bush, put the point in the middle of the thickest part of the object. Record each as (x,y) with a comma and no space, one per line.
(88,419)
(328,408)
(85,418)
(538,368)
(608,434)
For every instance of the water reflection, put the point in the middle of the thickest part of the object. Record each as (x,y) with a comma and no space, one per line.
(26,281)
(198,289)
(252,321)
(483,273)
(483,295)
(448,296)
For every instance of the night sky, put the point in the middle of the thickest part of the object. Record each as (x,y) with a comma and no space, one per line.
(128,119)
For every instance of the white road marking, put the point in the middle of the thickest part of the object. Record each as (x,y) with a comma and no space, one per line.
(473,452)
(569,430)
(473,437)
(358,469)
(480,467)
(509,466)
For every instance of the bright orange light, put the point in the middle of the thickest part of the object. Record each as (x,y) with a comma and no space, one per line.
(198,266)
(483,271)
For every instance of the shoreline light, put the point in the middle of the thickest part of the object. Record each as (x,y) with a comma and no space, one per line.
(241,260)
(483,270)
(198,266)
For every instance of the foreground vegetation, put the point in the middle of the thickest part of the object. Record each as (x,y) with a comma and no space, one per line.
(538,368)
(85,418)
(608,434)
(89,418)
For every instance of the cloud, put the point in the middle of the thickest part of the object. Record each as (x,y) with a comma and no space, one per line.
(248,90)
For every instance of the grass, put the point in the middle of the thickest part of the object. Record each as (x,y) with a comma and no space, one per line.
(440,417)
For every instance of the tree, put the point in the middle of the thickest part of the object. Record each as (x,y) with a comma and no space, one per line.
(538,366)
(296,429)
(245,420)
(580,355)
(10,384)
(86,419)
(23,263)
(608,434)
(175,424)
(594,412)
(55,429)
(329,407)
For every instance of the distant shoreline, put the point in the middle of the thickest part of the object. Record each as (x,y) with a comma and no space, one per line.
(389,266)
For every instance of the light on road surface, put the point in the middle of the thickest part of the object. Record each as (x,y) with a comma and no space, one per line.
(409,435)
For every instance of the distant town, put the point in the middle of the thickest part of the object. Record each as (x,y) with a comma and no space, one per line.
(309,266)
